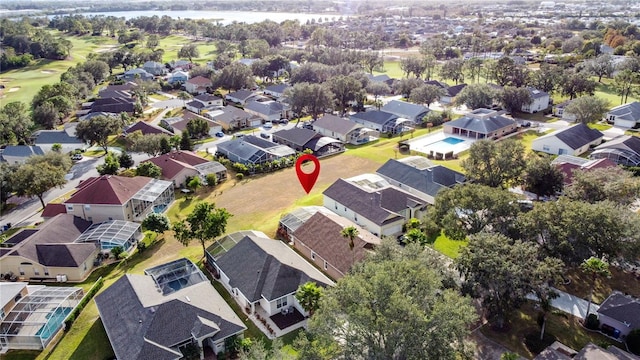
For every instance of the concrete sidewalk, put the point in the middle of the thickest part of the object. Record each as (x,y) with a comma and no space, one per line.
(570,304)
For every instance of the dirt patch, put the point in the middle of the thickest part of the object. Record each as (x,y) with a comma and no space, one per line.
(106,48)
(14,89)
(48,71)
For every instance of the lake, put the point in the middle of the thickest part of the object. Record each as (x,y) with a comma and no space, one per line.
(226,17)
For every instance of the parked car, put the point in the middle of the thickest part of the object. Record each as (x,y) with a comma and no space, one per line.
(76,157)
(264,135)
(220,134)
(268,125)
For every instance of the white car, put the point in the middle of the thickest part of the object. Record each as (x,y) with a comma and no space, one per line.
(268,125)
(76,157)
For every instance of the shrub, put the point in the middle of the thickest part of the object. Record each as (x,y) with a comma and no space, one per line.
(85,300)
(239,176)
(212,179)
(141,246)
(592,322)
(633,341)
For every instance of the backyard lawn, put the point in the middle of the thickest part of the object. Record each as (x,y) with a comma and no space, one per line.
(172,44)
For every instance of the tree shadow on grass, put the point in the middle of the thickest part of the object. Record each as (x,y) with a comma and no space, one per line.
(94,345)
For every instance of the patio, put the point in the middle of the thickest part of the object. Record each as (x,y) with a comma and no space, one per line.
(278,324)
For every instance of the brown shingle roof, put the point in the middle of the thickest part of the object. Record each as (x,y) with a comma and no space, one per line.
(108,189)
(52,210)
(322,234)
(199,80)
(174,162)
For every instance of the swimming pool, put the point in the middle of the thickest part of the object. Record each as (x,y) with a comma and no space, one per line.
(451,140)
(54,320)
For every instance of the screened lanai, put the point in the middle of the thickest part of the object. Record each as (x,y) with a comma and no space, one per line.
(290,222)
(37,317)
(113,233)
(175,275)
(155,196)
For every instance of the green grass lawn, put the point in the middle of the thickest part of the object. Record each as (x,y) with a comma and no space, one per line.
(448,247)
(172,44)
(601,126)
(391,68)
(42,72)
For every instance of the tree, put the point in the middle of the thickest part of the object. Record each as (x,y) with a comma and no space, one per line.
(601,66)
(470,209)
(453,69)
(405,86)
(504,272)
(185,141)
(377,89)
(310,72)
(198,127)
(46,115)
(371,60)
(125,160)
(156,222)
(97,130)
(56,147)
(514,98)
(575,230)
(235,76)
(312,99)
(541,177)
(495,164)
(150,144)
(427,94)
(595,268)
(36,179)
(599,184)
(547,79)
(345,89)
(412,65)
(415,236)
(149,169)
(473,67)
(476,96)
(153,41)
(624,84)
(189,51)
(194,184)
(111,165)
(588,109)
(574,84)
(205,223)
(15,123)
(165,146)
(308,296)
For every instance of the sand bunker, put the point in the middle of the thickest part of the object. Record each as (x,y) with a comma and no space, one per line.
(48,71)
(14,89)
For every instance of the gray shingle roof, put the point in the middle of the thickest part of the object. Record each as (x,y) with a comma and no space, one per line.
(630,111)
(22,150)
(482,126)
(376,116)
(196,104)
(241,94)
(404,109)
(296,136)
(267,108)
(455,89)
(336,124)
(623,142)
(623,308)
(278,88)
(380,207)
(261,267)
(207,97)
(578,136)
(429,180)
(55,137)
(535,93)
(142,323)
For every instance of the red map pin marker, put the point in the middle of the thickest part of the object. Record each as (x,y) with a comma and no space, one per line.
(307,180)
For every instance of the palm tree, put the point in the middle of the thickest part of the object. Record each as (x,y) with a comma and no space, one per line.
(350,232)
(308,295)
(595,267)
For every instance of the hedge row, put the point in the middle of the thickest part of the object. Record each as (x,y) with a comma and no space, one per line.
(87,297)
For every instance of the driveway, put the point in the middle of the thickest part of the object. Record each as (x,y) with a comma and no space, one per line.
(570,304)
(168,104)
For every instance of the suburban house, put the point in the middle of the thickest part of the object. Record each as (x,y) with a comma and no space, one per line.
(561,112)
(89,116)
(403,109)
(372,203)
(268,110)
(179,166)
(125,90)
(178,76)
(181,64)
(253,150)
(263,276)
(623,150)
(567,164)
(51,250)
(160,314)
(625,116)
(302,139)
(419,176)
(179,123)
(381,121)
(154,68)
(232,118)
(481,124)
(115,105)
(18,154)
(204,102)
(450,93)
(277,90)
(383,78)
(133,74)
(619,314)
(33,315)
(146,129)
(319,239)
(197,85)
(67,139)
(290,222)
(344,130)
(591,351)
(539,101)
(574,140)
(113,197)
(240,97)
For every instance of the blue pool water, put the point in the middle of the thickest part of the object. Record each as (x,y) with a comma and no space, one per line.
(54,321)
(178,284)
(452,141)
(158,209)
